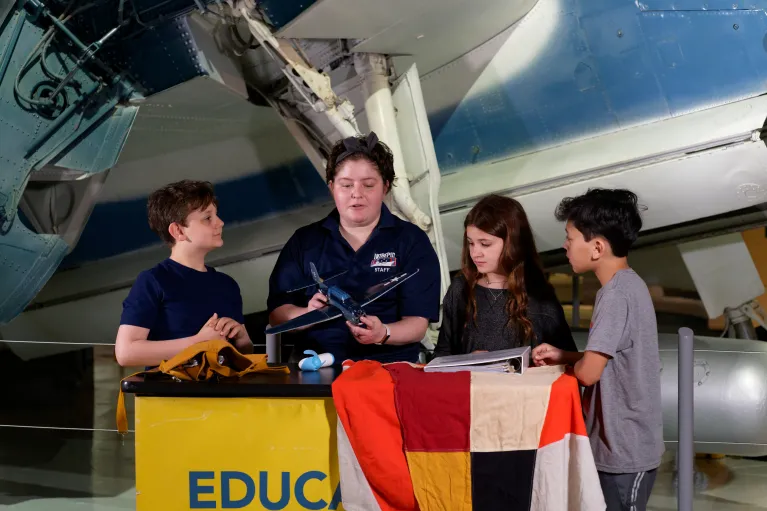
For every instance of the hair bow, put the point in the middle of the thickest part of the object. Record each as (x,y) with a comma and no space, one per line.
(355,145)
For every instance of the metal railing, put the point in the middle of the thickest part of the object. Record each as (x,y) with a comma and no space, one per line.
(685,450)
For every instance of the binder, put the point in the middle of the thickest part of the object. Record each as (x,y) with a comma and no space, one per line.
(502,361)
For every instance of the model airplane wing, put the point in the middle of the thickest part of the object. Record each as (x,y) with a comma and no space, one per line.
(308,319)
(384,287)
(315,283)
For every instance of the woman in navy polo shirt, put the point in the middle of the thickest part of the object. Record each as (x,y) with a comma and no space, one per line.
(362,237)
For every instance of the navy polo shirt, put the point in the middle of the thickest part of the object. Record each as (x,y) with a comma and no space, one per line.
(174,301)
(394,246)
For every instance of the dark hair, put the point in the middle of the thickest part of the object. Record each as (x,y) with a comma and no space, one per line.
(610,214)
(362,148)
(173,203)
(505,218)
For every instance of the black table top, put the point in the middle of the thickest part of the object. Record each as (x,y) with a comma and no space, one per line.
(296,384)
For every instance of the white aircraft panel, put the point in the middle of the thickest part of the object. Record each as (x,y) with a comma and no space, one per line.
(682,190)
(434,31)
(201,129)
(723,272)
(602,152)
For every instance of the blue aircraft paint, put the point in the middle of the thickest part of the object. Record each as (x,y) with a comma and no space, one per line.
(84,126)
(156,49)
(281,12)
(611,65)
(118,227)
(161,57)
(110,135)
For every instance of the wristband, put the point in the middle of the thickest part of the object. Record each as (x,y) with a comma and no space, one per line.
(386,337)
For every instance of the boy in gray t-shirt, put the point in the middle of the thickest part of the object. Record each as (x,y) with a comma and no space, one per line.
(620,367)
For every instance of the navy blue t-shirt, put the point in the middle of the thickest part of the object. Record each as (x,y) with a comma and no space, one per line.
(395,246)
(175,301)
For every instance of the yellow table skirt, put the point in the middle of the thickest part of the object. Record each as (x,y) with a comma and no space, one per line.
(236,453)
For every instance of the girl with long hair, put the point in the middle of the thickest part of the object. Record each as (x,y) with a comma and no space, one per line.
(501,298)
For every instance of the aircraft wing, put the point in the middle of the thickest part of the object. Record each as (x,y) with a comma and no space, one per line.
(430,32)
(314,283)
(384,287)
(308,319)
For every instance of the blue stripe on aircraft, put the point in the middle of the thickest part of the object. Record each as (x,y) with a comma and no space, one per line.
(118,227)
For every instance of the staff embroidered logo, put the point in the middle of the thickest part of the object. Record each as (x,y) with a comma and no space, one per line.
(383,261)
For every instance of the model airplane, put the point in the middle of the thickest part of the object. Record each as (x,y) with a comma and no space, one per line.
(340,303)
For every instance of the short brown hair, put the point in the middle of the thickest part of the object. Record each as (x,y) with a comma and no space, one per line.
(380,156)
(173,203)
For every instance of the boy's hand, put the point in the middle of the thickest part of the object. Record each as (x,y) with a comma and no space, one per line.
(229,328)
(208,332)
(546,354)
(220,328)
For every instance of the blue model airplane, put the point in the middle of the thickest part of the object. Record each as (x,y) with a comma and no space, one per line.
(339,302)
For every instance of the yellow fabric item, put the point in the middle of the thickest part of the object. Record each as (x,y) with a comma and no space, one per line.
(429,471)
(204,361)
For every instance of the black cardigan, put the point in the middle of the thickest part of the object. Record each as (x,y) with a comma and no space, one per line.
(543,310)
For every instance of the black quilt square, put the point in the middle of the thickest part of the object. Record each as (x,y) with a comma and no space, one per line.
(502,480)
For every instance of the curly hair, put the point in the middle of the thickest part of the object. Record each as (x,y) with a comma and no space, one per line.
(380,156)
(505,218)
(173,202)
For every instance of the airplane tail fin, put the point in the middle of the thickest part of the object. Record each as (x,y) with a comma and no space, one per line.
(315,275)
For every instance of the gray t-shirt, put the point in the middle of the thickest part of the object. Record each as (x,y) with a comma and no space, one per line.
(623,410)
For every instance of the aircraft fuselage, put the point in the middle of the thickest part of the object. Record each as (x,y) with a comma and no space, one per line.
(340,299)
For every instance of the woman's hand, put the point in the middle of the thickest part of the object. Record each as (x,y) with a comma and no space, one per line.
(373,334)
(318,301)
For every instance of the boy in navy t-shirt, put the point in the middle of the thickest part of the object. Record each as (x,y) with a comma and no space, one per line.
(181,301)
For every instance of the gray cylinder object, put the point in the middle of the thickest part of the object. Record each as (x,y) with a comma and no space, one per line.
(273,349)
(730,394)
